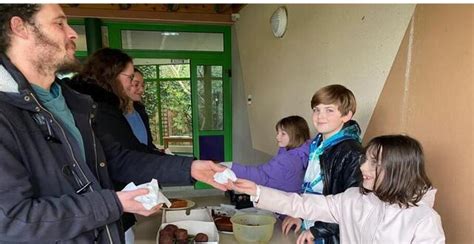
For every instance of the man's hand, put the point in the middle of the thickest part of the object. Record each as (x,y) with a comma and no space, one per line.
(305,237)
(245,186)
(130,205)
(204,170)
(288,223)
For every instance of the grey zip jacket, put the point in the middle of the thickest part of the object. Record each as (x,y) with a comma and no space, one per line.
(48,194)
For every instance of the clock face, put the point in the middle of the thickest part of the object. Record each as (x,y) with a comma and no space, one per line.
(279,21)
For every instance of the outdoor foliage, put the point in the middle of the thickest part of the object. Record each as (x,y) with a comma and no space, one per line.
(175,97)
(170,84)
(210,97)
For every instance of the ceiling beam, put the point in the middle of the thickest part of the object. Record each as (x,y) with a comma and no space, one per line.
(124,6)
(165,17)
(222,8)
(173,7)
(237,7)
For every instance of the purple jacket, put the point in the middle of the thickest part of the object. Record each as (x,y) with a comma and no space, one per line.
(284,172)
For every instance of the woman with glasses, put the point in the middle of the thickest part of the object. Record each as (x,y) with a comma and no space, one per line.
(107,76)
(137,117)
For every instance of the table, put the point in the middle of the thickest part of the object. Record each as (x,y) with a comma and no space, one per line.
(145,230)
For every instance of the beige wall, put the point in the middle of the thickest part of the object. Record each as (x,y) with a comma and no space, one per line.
(413,77)
(429,95)
(353,45)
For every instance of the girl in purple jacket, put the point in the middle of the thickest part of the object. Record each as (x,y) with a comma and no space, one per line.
(286,170)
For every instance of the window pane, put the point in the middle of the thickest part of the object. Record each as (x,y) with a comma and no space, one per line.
(176,108)
(174,71)
(211,102)
(149,71)
(81,43)
(169,68)
(150,99)
(168,104)
(105,36)
(216,71)
(81,39)
(164,40)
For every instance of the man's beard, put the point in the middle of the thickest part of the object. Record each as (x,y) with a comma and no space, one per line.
(46,60)
(74,66)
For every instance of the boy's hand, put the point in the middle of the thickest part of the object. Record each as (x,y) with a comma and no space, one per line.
(130,205)
(245,186)
(288,223)
(305,237)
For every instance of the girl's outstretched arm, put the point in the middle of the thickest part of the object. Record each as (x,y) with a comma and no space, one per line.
(306,206)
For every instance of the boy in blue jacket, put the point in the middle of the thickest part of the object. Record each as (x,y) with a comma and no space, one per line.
(333,160)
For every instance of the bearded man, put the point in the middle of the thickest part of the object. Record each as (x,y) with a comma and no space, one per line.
(55,174)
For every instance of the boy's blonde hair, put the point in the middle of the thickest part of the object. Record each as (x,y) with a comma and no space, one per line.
(296,128)
(338,95)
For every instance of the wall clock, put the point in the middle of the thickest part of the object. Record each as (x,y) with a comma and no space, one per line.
(279,21)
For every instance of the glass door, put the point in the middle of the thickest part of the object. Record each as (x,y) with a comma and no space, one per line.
(212,110)
(168,102)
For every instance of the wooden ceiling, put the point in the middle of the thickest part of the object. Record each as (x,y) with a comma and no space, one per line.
(168,13)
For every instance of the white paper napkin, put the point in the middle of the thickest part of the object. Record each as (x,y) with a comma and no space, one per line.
(154,196)
(222,177)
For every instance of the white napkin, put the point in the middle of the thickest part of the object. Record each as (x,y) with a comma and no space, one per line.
(154,196)
(227,164)
(222,177)
(168,151)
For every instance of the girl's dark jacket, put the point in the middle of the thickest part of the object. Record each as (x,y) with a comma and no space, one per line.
(340,166)
(110,119)
(48,194)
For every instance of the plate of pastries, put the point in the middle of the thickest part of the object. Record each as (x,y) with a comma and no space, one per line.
(180,204)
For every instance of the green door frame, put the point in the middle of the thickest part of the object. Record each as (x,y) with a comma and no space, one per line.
(227,107)
(196,58)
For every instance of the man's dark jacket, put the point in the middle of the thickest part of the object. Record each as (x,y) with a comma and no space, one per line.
(340,166)
(48,194)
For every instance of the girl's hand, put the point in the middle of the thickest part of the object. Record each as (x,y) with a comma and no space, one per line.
(288,223)
(305,237)
(245,186)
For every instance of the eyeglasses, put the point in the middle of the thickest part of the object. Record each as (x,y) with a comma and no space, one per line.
(130,77)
